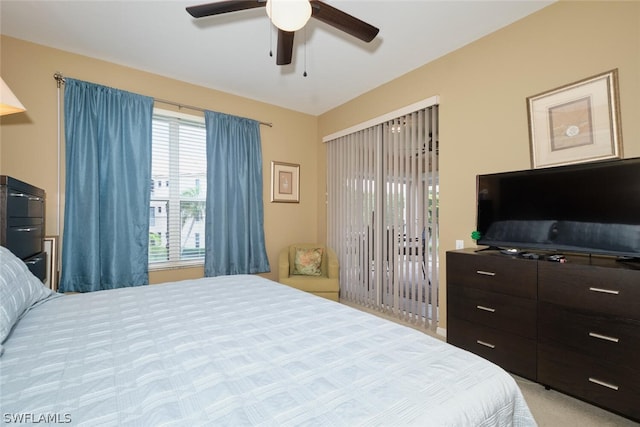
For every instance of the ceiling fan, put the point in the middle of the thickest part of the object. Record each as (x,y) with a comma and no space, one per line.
(280,11)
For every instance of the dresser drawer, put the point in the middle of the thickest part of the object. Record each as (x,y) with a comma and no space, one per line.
(24,205)
(37,265)
(608,385)
(511,352)
(25,237)
(493,273)
(600,336)
(20,199)
(499,311)
(615,291)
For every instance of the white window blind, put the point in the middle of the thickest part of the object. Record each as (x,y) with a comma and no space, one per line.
(178,190)
(383,215)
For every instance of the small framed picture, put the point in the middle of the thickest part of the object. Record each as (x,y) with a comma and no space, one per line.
(285,182)
(576,123)
(51,249)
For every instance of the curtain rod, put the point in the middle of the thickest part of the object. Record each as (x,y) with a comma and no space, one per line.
(60,79)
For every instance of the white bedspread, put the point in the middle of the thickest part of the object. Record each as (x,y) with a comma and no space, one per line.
(240,350)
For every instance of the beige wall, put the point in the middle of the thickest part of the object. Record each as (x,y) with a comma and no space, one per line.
(28,141)
(483,87)
(483,116)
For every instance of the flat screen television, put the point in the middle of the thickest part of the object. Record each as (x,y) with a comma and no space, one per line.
(589,208)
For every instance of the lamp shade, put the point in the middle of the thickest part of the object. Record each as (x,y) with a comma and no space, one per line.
(9,103)
(289,15)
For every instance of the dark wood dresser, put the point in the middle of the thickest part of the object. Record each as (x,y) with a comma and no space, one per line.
(22,227)
(492,309)
(572,326)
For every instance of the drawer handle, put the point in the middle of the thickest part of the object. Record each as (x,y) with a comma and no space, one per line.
(604,384)
(485,273)
(32,198)
(603,337)
(486,344)
(27,230)
(489,309)
(605,291)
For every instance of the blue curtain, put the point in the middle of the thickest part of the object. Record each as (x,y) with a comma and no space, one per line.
(234,232)
(108,173)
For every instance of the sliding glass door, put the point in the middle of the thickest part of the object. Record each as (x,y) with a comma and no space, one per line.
(383,215)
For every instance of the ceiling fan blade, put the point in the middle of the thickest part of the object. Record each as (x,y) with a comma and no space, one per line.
(343,21)
(285,47)
(220,7)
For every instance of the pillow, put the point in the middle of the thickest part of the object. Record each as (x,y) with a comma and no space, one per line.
(307,261)
(19,290)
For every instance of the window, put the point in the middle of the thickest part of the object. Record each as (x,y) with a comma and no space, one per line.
(152,217)
(179,157)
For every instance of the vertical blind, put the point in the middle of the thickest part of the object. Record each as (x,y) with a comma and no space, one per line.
(383,215)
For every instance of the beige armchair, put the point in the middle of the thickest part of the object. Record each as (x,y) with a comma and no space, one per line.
(326,285)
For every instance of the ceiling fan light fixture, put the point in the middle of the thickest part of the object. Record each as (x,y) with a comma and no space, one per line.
(289,15)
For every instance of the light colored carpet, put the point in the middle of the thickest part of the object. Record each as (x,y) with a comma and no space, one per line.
(551,409)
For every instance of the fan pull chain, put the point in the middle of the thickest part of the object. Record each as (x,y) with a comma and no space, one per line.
(270,40)
(270,34)
(305,52)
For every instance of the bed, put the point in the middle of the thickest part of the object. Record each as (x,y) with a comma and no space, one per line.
(232,350)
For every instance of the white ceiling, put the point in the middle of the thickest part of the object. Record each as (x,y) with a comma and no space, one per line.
(231,52)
